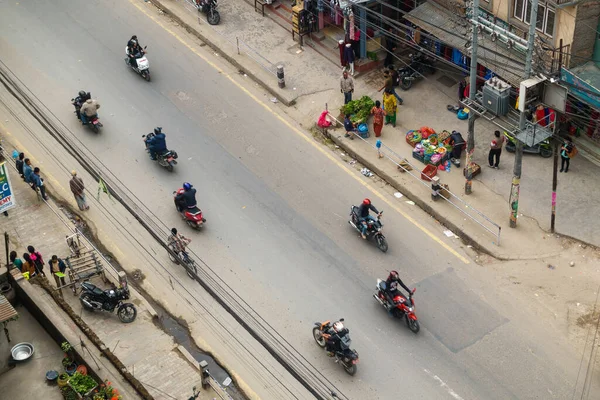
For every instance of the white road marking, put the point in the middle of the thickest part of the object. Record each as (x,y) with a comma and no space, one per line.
(444,385)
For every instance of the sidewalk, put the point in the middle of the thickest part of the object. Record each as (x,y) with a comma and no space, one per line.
(316,82)
(165,369)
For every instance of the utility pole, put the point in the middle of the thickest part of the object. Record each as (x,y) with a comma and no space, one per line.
(516,181)
(472,92)
(555,141)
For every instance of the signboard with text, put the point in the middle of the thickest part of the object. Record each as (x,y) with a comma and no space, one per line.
(7,199)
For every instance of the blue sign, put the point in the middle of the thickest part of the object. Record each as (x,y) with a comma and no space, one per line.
(7,199)
(589,93)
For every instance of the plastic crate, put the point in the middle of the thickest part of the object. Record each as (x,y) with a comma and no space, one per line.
(428,172)
(417,156)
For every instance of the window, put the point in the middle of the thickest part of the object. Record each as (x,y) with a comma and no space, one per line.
(545,17)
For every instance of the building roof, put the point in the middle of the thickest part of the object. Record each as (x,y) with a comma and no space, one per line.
(7,312)
(447,28)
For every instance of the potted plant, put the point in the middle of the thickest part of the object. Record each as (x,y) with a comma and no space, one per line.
(82,384)
(69,361)
(107,392)
(68,393)
(63,379)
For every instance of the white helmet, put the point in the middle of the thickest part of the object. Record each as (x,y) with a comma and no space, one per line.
(338,326)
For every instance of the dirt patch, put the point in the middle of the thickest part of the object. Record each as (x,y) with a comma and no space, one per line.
(588,319)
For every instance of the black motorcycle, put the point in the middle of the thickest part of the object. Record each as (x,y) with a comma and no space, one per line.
(345,356)
(373,228)
(209,7)
(419,66)
(95,299)
(93,122)
(166,159)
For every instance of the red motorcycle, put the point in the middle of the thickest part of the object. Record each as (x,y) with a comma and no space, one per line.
(402,307)
(192,216)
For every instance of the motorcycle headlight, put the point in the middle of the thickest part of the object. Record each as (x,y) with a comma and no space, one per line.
(410,309)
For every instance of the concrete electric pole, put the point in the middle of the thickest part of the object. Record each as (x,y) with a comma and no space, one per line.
(472,92)
(516,181)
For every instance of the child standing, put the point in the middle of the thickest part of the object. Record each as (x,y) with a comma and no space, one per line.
(390,105)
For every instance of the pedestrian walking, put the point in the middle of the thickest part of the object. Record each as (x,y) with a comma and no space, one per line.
(390,106)
(16,261)
(77,188)
(28,269)
(19,163)
(58,268)
(567,151)
(495,150)
(37,259)
(27,170)
(388,85)
(38,182)
(378,114)
(350,127)
(347,86)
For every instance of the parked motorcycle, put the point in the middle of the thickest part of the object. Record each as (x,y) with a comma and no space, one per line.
(209,7)
(192,216)
(373,228)
(166,159)
(93,122)
(95,299)
(544,148)
(143,65)
(402,307)
(419,66)
(347,357)
(184,258)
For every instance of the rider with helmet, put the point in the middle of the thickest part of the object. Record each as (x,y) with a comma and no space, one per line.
(81,98)
(157,144)
(336,332)
(363,215)
(134,50)
(391,287)
(186,199)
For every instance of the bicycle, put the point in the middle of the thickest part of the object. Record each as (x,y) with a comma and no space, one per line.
(184,259)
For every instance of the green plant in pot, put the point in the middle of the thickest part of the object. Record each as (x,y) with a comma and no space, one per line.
(69,361)
(82,384)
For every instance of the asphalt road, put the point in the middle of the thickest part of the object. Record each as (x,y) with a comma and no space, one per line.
(277,210)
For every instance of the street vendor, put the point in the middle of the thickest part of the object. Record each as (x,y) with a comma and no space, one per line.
(457,142)
(350,127)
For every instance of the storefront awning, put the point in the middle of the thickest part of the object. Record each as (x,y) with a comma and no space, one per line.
(7,312)
(584,83)
(441,24)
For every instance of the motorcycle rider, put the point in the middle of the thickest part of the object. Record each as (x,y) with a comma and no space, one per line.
(81,98)
(157,144)
(134,50)
(187,199)
(336,332)
(177,242)
(363,215)
(391,287)
(88,110)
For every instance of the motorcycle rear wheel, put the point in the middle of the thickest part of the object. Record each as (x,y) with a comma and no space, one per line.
(147,76)
(350,370)
(413,325)
(405,83)
(318,337)
(213,17)
(169,167)
(382,243)
(545,153)
(94,127)
(127,313)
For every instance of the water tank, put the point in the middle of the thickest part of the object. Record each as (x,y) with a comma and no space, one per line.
(496,96)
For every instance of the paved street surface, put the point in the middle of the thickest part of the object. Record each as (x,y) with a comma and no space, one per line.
(276,205)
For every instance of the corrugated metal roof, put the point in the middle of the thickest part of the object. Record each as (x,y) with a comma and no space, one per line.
(448,28)
(7,312)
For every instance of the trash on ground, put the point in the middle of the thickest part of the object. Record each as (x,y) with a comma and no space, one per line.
(398,195)
(274,99)
(551,266)
(449,233)
(366,172)
(352,162)
(412,203)
(572,263)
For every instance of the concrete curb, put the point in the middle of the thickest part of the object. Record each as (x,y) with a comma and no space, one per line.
(410,195)
(160,4)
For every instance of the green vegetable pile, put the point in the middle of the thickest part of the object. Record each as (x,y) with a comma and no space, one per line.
(359,109)
(68,393)
(82,383)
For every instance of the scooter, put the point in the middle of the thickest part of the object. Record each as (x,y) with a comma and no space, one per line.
(143,65)
(544,148)
(93,122)
(209,7)
(402,307)
(192,216)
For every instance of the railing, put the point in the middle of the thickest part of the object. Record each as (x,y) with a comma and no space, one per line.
(465,208)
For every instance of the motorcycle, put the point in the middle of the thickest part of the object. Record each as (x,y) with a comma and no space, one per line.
(192,216)
(419,66)
(544,148)
(402,307)
(93,122)
(166,159)
(188,263)
(209,7)
(347,357)
(373,228)
(95,299)
(143,65)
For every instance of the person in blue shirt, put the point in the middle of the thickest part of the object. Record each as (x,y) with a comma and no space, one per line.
(38,182)
(157,144)
(27,170)
(350,127)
